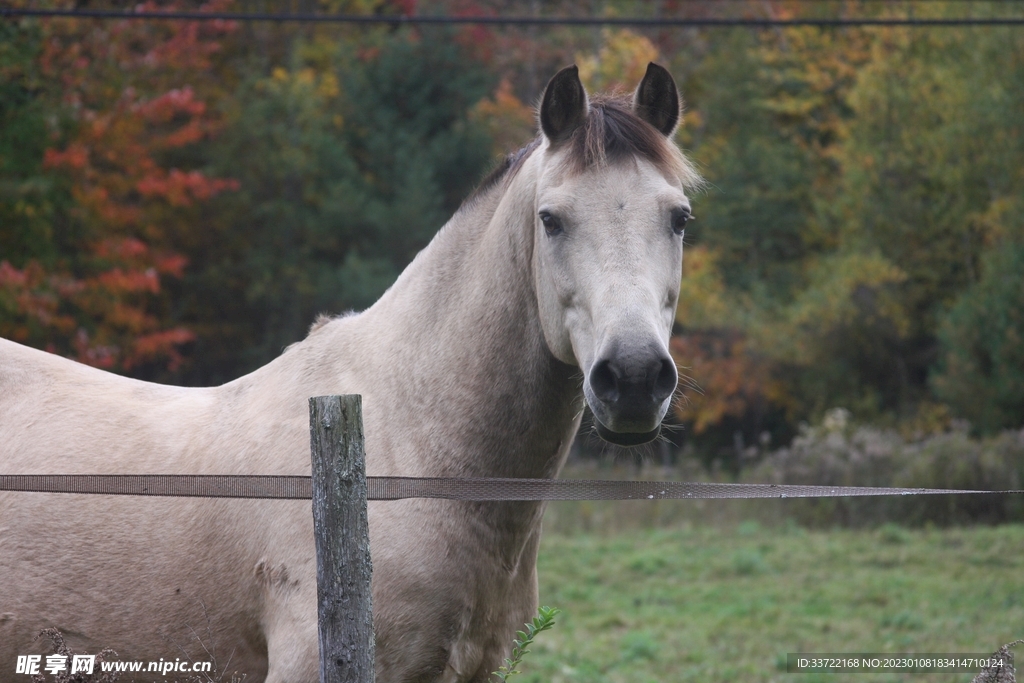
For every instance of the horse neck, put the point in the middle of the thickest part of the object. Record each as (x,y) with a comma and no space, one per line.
(489,397)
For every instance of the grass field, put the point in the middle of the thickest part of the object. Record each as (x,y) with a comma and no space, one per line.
(728,601)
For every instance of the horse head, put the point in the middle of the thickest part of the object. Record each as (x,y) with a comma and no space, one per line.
(611,208)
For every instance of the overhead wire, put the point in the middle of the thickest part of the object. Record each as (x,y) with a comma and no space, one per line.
(439,19)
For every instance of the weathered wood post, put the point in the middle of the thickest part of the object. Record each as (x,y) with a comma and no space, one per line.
(343,570)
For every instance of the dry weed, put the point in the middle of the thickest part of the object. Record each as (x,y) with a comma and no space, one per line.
(999,674)
(60,647)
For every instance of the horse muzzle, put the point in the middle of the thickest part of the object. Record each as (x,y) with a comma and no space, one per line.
(629,394)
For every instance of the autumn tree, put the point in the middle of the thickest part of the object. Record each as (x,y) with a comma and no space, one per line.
(350,157)
(90,286)
(854,248)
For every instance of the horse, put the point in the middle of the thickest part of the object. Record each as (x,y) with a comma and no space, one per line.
(554,284)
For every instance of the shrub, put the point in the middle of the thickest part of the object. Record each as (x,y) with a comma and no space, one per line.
(839,454)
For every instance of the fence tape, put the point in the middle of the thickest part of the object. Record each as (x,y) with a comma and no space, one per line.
(468,489)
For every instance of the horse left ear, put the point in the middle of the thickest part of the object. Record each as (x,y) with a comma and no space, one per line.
(564,106)
(657,100)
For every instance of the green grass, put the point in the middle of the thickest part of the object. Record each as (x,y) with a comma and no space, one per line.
(727,603)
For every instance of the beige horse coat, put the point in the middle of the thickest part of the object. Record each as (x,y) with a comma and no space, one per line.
(558,279)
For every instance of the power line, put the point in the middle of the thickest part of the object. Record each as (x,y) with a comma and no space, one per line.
(676,22)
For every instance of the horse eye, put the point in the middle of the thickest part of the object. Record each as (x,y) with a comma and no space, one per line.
(552,225)
(679,219)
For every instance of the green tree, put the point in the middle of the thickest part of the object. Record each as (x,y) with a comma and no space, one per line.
(768,111)
(857,177)
(929,159)
(27,191)
(349,160)
(982,370)
(759,199)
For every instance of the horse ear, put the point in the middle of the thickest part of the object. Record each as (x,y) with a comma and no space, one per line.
(564,106)
(657,100)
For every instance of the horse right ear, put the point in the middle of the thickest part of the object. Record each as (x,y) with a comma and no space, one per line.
(564,106)
(657,100)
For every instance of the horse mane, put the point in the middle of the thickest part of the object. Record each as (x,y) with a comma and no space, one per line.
(611,132)
(507,168)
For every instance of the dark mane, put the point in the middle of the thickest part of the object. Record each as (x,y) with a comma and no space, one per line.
(610,133)
(508,167)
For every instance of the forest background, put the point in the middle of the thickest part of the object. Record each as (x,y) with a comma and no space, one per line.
(180,199)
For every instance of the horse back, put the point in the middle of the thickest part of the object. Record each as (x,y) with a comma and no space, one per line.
(62,417)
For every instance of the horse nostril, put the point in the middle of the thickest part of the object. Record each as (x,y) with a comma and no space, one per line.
(665,382)
(604,382)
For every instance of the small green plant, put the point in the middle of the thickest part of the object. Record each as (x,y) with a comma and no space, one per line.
(544,620)
(636,646)
(748,563)
(893,534)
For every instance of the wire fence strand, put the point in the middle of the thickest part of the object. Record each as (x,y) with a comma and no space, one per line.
(466,489)
(428,19)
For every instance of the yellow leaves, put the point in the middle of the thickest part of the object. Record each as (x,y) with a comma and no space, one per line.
(928,419)
(731,379)
(812,73)
(713,354)
(835,279)
(509,122)
(349,6)
(329,87)
(619,64)
(843,290)
(703,299)
(732,349)
(997,223)
(307,83)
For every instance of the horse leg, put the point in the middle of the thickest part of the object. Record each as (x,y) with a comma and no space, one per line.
(293,657)
(293,649)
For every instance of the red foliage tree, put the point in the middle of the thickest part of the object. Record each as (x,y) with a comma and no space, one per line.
(721,378)
(99,300)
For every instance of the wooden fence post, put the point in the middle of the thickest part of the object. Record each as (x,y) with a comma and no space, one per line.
(343,570)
